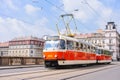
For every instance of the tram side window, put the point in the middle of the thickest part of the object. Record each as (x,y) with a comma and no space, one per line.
(107,52)
(70,45)
(81,46)
(88,48)
(102,51)
(77,46)
(98,51)
(84,47)
(94,49)
(62,44)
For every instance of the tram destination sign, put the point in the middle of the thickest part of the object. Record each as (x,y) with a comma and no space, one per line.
(52,37)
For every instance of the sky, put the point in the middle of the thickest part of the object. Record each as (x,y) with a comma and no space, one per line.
(39,17)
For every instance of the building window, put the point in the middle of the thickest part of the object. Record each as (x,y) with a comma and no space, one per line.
(103,41)
(110,35)
(106,27)
(31,51)
(31,46)
(32,42)
(95,41)
(110,41)
(110,48)
(26,51)
(113,27)
(36,43)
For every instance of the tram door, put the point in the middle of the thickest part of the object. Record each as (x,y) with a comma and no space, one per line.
(70,50)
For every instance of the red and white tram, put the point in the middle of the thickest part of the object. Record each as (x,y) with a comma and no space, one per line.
(62,50)
(103,55)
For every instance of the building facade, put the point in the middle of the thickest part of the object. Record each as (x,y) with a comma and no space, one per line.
(26,47)
(4,47)
(95,38)
(108,39)
(112,39)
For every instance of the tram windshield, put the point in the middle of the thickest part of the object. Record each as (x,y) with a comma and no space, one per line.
(54,44)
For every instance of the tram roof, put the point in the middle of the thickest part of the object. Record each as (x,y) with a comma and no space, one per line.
(103,48)
(68,38)
(74,39)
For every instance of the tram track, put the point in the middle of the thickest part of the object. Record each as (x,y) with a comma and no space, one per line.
(88,73)
(70,71)
(31,72)
(23,73)
(58,72)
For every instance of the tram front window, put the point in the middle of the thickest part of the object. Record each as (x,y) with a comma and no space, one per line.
(55,44)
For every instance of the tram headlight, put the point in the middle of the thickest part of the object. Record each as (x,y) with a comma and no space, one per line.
(55,56)
(43,56)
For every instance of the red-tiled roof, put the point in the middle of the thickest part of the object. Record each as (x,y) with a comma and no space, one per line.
(4,44)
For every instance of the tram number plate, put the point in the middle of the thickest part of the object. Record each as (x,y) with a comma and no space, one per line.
(50,55)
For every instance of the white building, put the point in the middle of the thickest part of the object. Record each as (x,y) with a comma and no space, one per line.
(112,39)
(26,47)
(4,48)
(108,39)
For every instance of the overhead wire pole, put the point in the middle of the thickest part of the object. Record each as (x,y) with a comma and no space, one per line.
(65,12)
(66,24)
(75,24)
(56,17)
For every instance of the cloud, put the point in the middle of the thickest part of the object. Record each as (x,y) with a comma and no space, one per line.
(30,9)
(90,12)
(10,4)
(81,14)
(11,27)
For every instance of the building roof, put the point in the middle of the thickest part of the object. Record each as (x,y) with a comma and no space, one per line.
(4,44)
(27,38)
(83,35)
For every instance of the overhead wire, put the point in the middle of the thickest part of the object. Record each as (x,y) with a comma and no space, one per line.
(64,12)
(55,6)
(85,2)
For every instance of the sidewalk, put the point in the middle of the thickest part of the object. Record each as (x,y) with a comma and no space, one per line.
(19,66)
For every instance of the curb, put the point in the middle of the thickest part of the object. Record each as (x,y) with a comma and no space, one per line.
(16,67)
